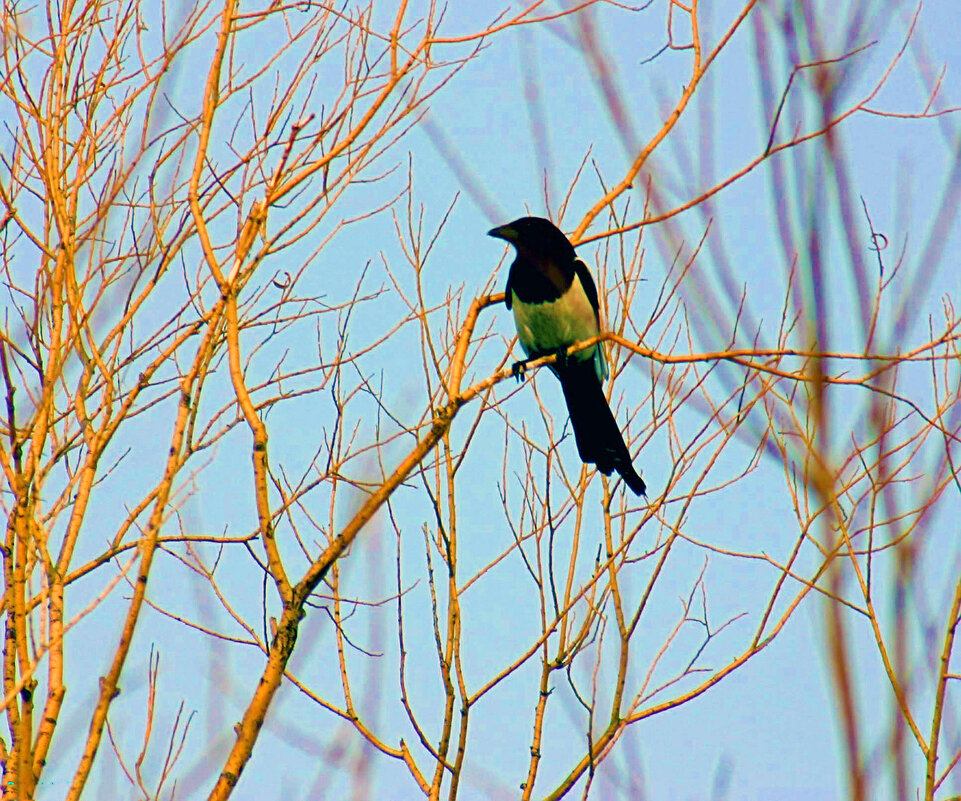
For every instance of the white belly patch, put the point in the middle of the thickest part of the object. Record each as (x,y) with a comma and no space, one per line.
(545,327)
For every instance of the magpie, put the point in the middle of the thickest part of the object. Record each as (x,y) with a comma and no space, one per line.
(554,301)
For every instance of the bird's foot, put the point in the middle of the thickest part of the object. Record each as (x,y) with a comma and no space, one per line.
(561,359)
(519,370)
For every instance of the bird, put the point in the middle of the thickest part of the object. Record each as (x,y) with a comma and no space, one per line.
(554,301)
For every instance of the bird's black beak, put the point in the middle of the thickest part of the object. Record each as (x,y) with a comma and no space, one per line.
(503,232)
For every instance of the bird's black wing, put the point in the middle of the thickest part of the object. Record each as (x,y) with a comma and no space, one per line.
(587,281)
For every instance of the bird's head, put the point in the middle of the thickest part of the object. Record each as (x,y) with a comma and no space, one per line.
(535,236)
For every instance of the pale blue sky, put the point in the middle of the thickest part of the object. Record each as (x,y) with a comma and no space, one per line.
(769,731)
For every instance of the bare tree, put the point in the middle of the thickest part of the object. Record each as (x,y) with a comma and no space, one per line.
(175,186)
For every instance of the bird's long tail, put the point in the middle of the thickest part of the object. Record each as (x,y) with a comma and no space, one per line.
(598,437)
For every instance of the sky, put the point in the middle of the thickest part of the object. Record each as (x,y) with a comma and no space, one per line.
(527,106)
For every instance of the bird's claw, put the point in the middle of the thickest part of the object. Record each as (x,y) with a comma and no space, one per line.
(561,358)
(519,370)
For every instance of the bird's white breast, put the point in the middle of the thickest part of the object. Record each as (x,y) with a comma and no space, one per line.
(545,327)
